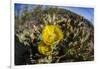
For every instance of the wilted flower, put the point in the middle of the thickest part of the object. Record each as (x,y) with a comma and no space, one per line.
(51,34)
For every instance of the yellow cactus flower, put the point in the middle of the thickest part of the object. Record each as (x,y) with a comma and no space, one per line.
(44,49)
(51,34)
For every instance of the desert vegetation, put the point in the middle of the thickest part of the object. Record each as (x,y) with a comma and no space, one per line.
(49,34)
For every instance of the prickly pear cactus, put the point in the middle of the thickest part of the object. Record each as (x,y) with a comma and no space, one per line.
(54,35)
